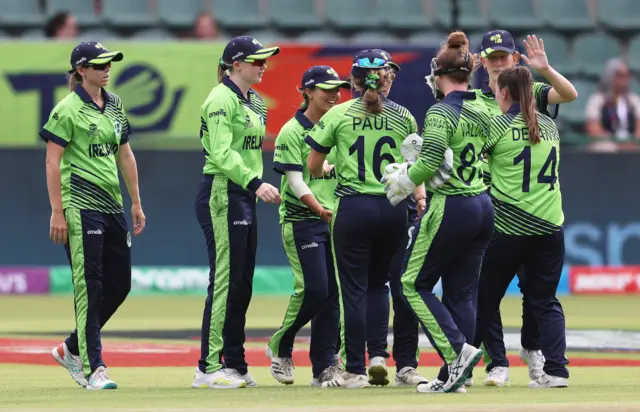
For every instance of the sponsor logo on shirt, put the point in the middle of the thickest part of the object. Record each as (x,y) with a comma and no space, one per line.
(282,147)
(93,130)
(220,112)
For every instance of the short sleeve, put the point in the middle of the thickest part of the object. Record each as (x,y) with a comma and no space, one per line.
(498,127)
(287,155)
(322,137)
(541,96)
(126,127)
(59,126)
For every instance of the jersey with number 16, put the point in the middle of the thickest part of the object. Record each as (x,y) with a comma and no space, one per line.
(365,143)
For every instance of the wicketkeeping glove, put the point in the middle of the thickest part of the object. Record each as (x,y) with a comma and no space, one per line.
(410,147)
(397,184)
(443,173)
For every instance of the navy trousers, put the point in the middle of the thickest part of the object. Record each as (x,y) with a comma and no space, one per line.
(227,216)
(448,244)
(543,258)
(366,231)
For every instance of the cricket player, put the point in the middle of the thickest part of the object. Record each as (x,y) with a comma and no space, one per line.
(449,241)
(498,53)
(405,322)
(233,126)
(305,213)
(366,230)
(524,153)
(87,138)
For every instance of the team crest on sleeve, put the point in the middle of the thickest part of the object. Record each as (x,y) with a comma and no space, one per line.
(117,127)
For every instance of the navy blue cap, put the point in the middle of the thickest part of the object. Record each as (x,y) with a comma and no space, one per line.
(389,59)
(497,40)
(92,52)
(324,77)
(248,49)
(368,59)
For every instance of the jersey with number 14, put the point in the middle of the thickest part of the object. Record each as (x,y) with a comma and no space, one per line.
(364,143)
(525,187)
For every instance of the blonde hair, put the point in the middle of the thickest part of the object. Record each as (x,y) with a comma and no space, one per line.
(454,54)
(376,81)
(73,79)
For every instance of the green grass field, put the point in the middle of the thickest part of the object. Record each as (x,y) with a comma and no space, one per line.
(154,388)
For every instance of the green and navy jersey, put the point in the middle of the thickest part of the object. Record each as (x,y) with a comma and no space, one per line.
(291,154)
(460,121)
(364,143)
(232,132)
(91,137)
(540,95)
(525,188)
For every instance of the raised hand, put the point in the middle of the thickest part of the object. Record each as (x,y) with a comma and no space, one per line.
(536,57)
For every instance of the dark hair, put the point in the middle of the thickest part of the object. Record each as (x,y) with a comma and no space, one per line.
(305,103)
(519,83)
(375,81)
(55,23)
(454,56)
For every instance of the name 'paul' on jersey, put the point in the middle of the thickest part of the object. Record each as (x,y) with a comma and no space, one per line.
(290,154)
(232,133)
(91,137)
(364,143)
(525,188)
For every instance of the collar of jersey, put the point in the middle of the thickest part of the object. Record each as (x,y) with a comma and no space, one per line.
(227,82)
(304,120)
(486,89)
(514,108)
(459,95)
(82,93)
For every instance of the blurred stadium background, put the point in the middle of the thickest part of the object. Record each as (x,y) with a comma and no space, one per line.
(171,49)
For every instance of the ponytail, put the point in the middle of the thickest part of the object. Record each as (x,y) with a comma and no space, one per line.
(73,79)
(454,58)
(305,104)
(373,84)
(519,83)
(223,70)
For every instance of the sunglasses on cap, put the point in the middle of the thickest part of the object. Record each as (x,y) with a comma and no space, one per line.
(366,63)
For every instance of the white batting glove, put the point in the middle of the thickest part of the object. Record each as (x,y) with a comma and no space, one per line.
(398,185)
(410,147)
(443,173)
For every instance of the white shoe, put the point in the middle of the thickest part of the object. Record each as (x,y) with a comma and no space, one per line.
(409,376)
(220,379)
(468,383)
(248,379)
(534,360)
(348,380)
(548,381)
(281,368)
(436,386)
(378,374)
(99,380)
(327,375)
(71,363)
(498,376)
(460,369)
